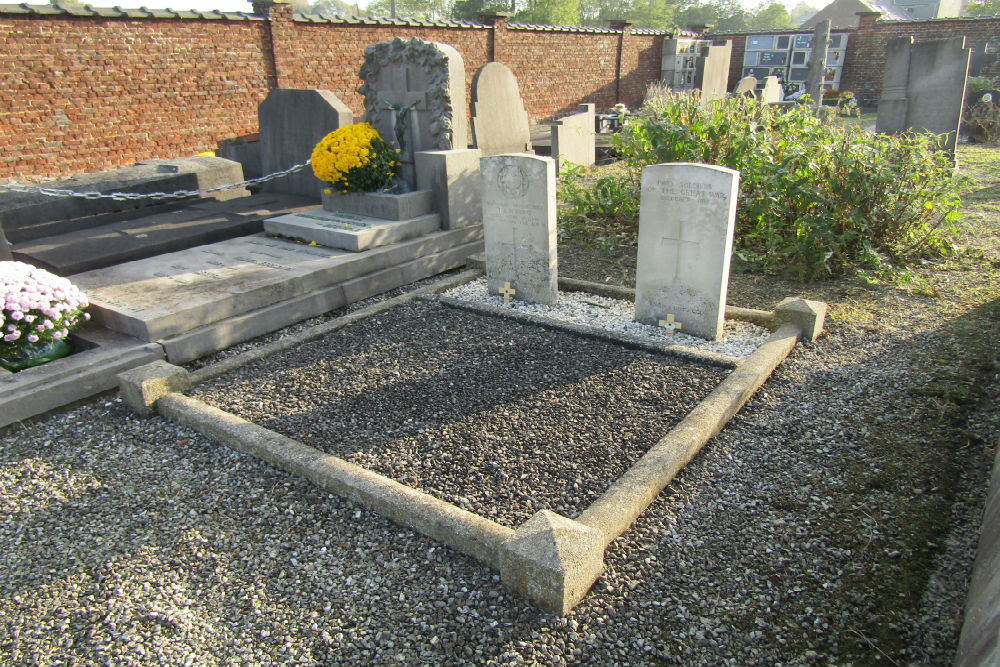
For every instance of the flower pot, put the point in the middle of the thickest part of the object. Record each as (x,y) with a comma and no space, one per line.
(36,354)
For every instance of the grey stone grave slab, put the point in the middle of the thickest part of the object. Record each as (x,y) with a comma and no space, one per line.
(895,77)
(414,96)
(25,215)
(349,231)
(499,121)
(292,122)
(169,294)
(687,215)
(205,221)
(519,223)
(923,88)
(573,139)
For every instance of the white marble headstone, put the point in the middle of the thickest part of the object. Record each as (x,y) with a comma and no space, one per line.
(519,223)
(687,215)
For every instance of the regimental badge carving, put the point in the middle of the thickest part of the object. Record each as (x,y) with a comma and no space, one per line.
(512,181)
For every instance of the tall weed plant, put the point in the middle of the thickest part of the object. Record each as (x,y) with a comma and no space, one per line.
(816,199)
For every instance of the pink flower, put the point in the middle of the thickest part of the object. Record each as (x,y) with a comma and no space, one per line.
(16,315)
(58,334)
(32,338)
(12,336)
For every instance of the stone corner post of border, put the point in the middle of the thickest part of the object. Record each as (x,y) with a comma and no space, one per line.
(141,387)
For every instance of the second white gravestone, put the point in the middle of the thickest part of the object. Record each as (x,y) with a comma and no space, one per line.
(519,223)
(687,215)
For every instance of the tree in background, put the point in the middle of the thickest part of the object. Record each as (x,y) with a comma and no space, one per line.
(772,17)
(801,12)
(550,12)
(331,6)
(725,15)
(469,10)
(982,8)
(424,9)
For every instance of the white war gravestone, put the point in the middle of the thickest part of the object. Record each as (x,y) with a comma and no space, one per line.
(519,223)
(499,121)
(687,215)
(414,94)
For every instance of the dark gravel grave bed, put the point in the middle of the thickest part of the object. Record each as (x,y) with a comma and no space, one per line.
(499,418)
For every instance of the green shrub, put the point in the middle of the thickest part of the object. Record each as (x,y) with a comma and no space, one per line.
(815,199)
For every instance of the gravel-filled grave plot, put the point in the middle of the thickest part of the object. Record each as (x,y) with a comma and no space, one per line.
(500,418)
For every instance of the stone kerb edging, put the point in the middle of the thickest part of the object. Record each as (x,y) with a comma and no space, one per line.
(550,559)
(620,337)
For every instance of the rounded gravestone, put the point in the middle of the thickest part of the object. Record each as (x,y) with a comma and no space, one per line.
(499,121)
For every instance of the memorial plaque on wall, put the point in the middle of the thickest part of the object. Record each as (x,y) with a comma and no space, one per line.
(773,58)
(783,42)
(803,41)
(799,57)
(756,72)
(760,42)
(798,74)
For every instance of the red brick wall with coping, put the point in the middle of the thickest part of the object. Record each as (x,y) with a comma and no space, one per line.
(94,88)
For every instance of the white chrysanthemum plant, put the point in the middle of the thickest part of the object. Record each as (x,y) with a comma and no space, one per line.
(39,309)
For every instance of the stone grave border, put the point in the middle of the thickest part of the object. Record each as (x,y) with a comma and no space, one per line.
(551,560)
(101,354)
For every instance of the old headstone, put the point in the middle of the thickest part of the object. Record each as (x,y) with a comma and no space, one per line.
(414,95)
(687,215)
(292,122)
(453,179)
(817,63)
(772,91)
(519,223)
(573,138)
(499,121)
(712,70)
(746,86)
(923,88)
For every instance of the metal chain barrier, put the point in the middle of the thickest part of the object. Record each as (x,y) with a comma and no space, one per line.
(126,196)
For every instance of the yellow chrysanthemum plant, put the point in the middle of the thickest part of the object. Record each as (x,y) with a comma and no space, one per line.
(354,158)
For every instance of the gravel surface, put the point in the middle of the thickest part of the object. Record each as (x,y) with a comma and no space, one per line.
(129,541)
(138,542)
(740,339)
(499,418)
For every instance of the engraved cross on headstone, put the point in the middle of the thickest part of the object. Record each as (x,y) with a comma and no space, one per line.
(672,243)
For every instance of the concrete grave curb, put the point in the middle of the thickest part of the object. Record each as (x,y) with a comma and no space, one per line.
(550,559)
(101,355)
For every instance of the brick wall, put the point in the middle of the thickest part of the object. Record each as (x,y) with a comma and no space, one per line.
(88,93)
(88,89)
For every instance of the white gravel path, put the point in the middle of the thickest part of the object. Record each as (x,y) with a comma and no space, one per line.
(740,339)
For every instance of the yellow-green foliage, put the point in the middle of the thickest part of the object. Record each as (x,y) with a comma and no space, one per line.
(815,199)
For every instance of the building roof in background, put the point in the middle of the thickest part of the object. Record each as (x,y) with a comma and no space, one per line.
(844,13)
